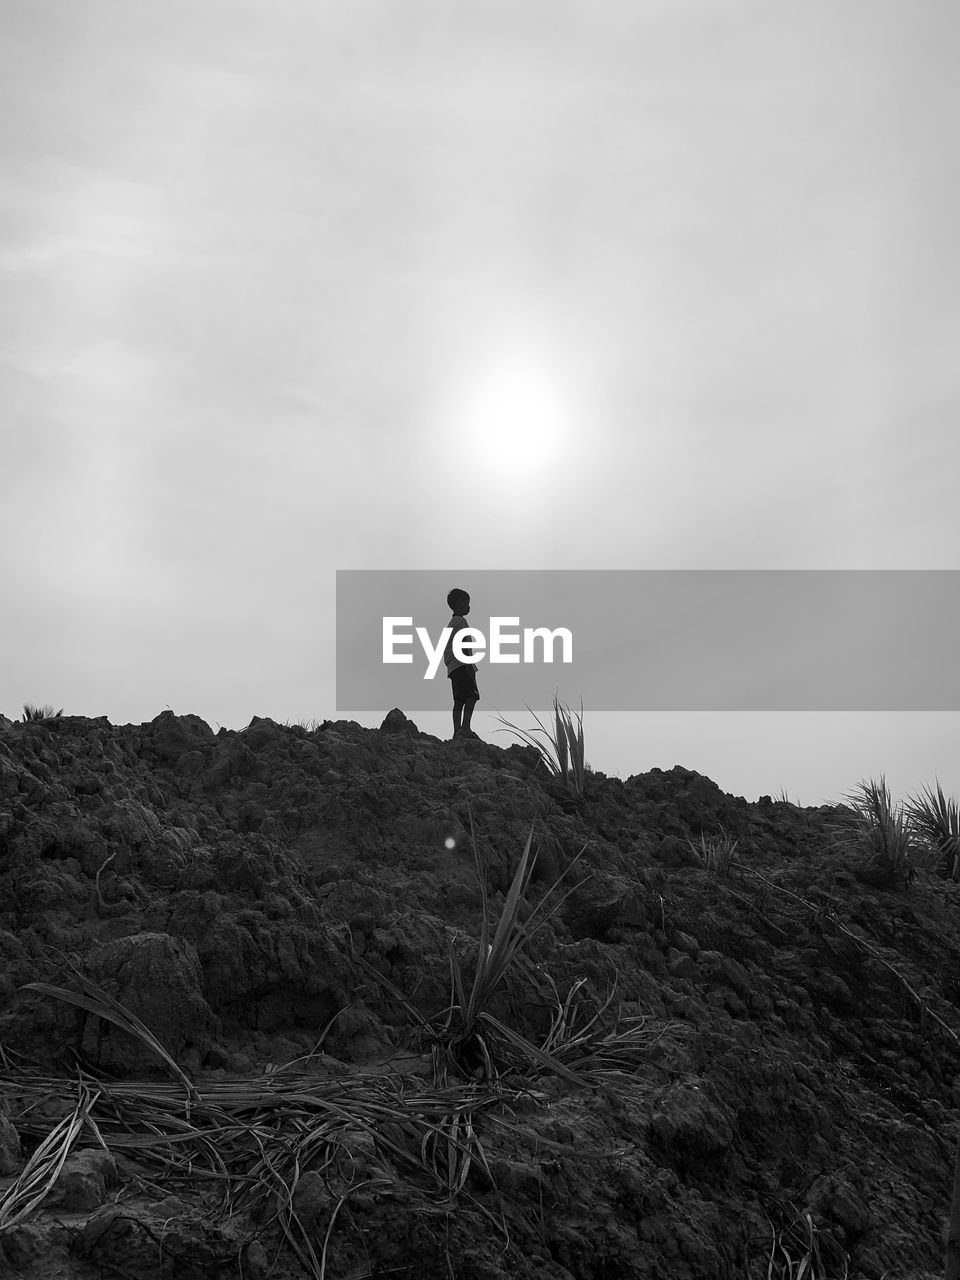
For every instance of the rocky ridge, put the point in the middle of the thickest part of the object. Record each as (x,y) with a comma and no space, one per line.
(240,893)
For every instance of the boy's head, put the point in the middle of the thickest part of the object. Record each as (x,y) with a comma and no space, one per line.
(459,601)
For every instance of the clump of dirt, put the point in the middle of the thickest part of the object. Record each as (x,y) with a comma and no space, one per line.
(278,907)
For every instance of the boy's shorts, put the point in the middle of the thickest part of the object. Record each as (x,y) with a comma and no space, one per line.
(463,681)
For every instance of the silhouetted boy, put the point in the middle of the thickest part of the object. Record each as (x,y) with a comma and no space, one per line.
(463,675)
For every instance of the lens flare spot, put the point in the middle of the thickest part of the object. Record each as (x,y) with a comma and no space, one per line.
(450,843)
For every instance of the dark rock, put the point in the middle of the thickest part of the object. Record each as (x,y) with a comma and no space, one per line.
(172,736)
(602,905)
(85,1179)
(191,764)
(396,722)
(690,1117)
(28,1244)
(158,978)
(681,966)
(260,732)
(257,1261)
(835,1196)
(171,1207)
(312,1200)
(233,759)
(687,943)
(123,1242)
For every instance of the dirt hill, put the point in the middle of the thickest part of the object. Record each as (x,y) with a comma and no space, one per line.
(686,1073)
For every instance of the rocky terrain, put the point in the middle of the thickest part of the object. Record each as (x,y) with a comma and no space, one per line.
(738,1073)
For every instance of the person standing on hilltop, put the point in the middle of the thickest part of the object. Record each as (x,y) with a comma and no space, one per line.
(463,675)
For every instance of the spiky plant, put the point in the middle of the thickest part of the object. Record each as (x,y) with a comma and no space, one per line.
(718,854)
(936,821)
(561,748)
(466,1035)
(880,835)
(30,712)
(471,1029)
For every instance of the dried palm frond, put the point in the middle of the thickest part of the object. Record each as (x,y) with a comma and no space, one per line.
(95,1000)
(39,1175)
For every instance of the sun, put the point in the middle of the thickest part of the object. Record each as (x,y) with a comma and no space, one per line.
(515,419)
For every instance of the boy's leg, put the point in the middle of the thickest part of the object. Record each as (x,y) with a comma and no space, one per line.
(458,717)
(473,695)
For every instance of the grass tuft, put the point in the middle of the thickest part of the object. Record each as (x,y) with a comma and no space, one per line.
(580,1040)
(718,854)
(30,713)
(581,1045)
(561,748)
(801,1251)
(881,835)
(480,1039)
(936,823)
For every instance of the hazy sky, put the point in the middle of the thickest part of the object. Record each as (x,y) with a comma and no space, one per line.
(296,285)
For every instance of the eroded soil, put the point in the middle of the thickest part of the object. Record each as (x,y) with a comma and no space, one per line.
(796,1079)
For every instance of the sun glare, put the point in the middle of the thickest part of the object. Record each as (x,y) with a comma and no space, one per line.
(516,420)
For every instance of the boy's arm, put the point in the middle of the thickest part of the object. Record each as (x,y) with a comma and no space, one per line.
(457,623)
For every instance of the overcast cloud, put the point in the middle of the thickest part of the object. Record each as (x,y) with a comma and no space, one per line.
(293,286)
